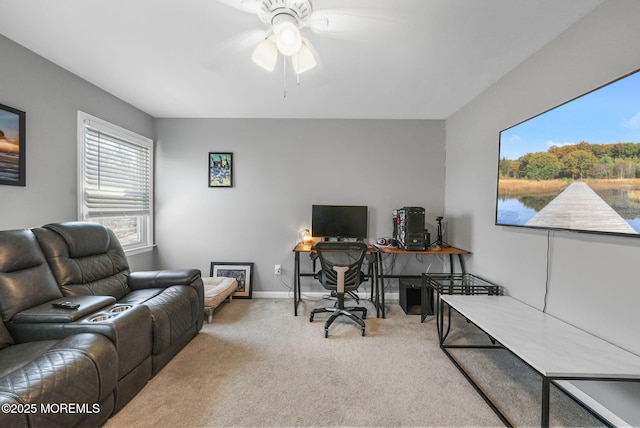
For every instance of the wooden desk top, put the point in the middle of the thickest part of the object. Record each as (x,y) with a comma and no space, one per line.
(306,248)
(303,248)
(443,250)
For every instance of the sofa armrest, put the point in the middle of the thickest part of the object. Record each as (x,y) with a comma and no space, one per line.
(167,278)
(47,313)
(162,278)
(130,330)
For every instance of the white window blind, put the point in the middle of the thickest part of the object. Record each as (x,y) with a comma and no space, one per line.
(115,181)
(116,176)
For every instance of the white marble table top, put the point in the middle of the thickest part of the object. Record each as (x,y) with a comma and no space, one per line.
(552,347)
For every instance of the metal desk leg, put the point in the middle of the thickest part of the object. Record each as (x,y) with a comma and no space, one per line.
(379,274)
(376,302)
(452,268)
(371,272)
(463,269)
(375,287)
(296,283)
(383,311)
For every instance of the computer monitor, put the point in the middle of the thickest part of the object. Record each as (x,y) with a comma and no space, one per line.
(341,222)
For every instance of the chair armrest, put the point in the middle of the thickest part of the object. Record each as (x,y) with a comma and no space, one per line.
(163,278)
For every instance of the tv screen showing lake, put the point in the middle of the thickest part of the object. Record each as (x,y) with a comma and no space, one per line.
(576,166)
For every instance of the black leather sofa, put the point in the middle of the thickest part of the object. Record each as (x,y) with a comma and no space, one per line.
(128,325)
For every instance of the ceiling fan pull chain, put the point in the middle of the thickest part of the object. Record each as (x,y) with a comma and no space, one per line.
(284,76)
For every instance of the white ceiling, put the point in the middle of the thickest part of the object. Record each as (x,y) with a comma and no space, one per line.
(398,59)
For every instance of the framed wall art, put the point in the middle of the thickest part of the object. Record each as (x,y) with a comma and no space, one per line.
(220,169)
(242,272)
(12,146)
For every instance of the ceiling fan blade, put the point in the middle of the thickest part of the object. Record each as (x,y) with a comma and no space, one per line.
(241,44)
(248,6)
(350,24)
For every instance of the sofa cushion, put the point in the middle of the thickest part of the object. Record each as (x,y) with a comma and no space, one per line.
(25,277)
(16,357)
(97,267)
(83,238)
(5,337)
(137,297)
(79,369)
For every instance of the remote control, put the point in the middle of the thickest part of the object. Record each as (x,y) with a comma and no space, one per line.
(66,305)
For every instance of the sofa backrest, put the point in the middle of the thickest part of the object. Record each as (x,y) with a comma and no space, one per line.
(85,258)
(25,278)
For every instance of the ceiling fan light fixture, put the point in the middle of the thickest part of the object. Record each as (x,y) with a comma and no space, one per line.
(266,54)
(303,60)
(288,39)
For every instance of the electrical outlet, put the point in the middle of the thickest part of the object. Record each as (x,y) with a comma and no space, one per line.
(277,269)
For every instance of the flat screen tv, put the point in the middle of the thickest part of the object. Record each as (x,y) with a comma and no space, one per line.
(575,167)
(339,222)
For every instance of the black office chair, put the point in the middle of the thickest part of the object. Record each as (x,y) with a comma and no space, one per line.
(341,273)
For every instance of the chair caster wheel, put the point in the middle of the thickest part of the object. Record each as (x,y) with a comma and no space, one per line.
(326,334)
(363,331)
(311,318)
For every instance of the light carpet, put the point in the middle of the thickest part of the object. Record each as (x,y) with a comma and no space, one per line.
(257,364)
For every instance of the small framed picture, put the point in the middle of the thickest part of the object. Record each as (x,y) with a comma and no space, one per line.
(242,272)
(220,169)
(12,146)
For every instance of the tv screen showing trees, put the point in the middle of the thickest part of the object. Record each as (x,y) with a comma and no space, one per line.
(577,166)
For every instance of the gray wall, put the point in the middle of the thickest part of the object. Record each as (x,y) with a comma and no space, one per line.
(593,278)
(51,97)
(282,167)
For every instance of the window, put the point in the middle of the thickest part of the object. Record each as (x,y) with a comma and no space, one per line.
(115,181)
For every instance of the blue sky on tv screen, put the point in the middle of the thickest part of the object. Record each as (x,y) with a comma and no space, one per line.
(610,114)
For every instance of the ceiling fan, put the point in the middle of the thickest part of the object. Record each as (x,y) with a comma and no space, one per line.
(284,20)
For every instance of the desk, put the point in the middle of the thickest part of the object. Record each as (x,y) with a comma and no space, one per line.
(450,251)
(308,248)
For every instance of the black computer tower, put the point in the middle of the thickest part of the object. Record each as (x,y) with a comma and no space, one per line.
(408,229)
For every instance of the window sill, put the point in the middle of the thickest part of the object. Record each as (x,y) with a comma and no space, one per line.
(139,250)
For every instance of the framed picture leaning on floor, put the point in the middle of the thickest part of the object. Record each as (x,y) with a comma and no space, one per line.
(241,271)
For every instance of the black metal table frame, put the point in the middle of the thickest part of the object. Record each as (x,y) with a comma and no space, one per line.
(382,276)
(546,380)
